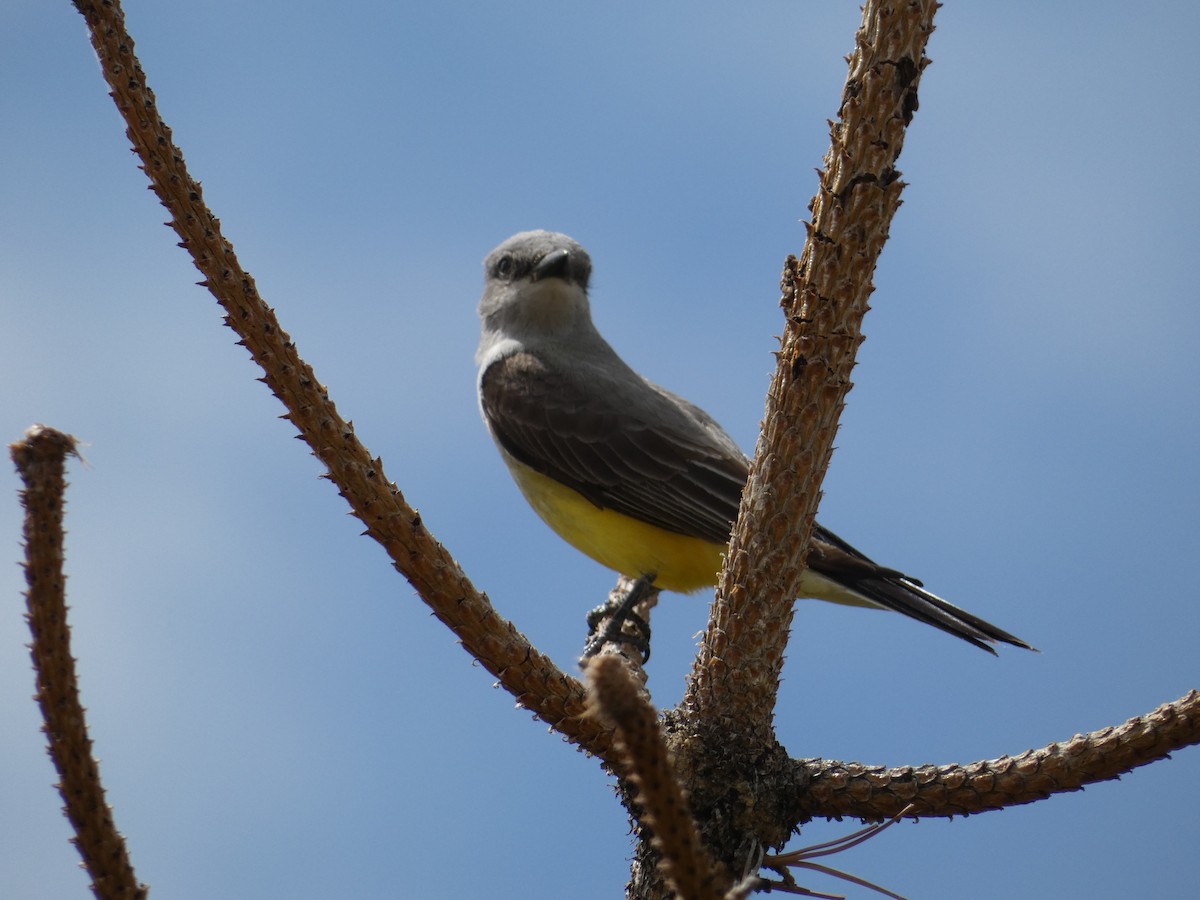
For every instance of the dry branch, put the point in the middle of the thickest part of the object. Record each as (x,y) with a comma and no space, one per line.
(527,674)
(835,789)
(663,814)
(825,295)
(41,461)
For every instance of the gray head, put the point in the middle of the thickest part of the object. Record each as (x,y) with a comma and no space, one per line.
(535,289)
(539,254)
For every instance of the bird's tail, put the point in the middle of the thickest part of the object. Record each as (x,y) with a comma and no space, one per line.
(845,575)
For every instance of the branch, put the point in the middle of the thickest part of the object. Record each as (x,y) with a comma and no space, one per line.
(41,460)
(825,296)
(617,697)
(836,789)
(528,675)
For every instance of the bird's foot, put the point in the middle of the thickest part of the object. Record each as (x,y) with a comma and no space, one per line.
(606,623)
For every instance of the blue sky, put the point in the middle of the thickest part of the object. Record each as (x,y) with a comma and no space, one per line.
(278,715)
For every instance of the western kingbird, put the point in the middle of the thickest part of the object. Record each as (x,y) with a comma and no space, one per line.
(640,480)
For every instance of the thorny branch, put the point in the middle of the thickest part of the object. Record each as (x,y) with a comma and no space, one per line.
(521,668)
(41,461)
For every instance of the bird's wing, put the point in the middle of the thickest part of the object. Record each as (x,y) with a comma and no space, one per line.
(624,445)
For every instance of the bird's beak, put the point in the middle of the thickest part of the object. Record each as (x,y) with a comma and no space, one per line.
(553,265)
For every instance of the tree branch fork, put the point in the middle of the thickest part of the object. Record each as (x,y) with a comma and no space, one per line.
(678,767)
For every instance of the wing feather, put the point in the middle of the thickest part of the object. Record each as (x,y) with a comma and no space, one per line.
(654,460)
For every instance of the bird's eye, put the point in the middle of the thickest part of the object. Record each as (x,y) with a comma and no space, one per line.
(504,267)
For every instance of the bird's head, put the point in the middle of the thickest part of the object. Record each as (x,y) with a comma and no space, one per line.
(535,287)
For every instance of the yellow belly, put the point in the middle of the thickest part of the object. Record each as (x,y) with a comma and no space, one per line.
(626,545)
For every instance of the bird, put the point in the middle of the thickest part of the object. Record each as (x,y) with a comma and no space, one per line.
(636,477)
